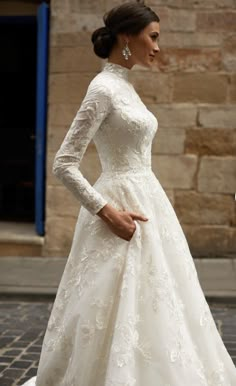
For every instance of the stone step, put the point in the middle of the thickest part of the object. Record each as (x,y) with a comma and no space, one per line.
(19,239)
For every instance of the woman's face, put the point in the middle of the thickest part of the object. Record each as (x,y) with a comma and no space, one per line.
(144,46)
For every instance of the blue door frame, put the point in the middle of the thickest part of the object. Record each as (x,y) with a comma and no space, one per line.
(41,115)
(41,105)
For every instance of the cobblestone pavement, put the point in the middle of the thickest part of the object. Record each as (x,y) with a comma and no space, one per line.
(23,322)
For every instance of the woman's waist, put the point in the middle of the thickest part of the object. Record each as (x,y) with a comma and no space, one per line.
(144,169)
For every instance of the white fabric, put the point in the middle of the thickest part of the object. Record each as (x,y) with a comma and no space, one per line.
(126,313)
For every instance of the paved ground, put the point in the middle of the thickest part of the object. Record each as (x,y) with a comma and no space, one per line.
(23,322)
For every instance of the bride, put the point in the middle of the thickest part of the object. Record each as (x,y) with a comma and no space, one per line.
(129,310)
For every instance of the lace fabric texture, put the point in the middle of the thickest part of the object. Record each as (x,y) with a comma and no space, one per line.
(126,313)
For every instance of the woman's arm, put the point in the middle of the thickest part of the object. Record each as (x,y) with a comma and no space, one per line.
(93,110)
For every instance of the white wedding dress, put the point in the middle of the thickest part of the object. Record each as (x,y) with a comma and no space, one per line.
(126,313)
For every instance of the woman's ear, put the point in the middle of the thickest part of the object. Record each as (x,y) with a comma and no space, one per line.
(122,39)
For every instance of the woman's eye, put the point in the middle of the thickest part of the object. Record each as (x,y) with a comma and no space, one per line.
(154,37)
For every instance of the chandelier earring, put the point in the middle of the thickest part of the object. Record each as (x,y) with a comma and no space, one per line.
(126,51)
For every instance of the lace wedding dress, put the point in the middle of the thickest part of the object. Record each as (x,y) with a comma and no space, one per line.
(126,313)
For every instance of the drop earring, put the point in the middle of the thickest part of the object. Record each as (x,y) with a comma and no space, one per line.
(126,51)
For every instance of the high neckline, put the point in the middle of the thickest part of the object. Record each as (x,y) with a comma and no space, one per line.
(117,69)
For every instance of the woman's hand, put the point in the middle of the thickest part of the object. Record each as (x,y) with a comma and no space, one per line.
(120,222)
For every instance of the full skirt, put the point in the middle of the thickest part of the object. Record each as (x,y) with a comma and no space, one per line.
(132,313)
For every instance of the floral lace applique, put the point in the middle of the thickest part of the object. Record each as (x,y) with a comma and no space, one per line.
(127,342)
(214,377)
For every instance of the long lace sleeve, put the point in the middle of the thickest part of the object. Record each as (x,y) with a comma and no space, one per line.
(93,110)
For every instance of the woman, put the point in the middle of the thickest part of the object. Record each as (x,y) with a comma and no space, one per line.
(129,309)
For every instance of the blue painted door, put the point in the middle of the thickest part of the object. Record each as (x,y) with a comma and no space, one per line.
(41,115)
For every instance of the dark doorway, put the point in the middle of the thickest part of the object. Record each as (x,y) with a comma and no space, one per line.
(18,42)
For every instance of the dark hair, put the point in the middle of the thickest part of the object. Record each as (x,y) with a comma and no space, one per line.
(131,18)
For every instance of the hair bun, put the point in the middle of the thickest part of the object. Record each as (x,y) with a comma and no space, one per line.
(103,40)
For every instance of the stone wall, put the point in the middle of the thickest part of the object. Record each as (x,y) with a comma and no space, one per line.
(192,92)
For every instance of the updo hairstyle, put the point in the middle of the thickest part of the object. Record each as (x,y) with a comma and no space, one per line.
(131,18)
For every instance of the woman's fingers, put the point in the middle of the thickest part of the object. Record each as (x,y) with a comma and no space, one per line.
(136,216)
(125,226)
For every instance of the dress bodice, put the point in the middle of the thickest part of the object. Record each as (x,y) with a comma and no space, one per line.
(125,136)
(113,115)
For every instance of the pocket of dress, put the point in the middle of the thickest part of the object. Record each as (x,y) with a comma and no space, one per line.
(136,234)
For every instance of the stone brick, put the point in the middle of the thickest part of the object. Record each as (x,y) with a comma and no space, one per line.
(152,87)
(200,87)
(163,13)
(232,241)
(175,171)
(61,197)
(55,137)
(175,115)
(87,21)
(190,40)
(33,370)
(210,241)
(50,178)
(63,22)
(88,6)
(62,113)
(12,374)
(113,3)
(59,6)
(21,364)
(20,249)
(215,116)
(71,39)
(229,62)
(229,43)
(74,59)
(209,4)
(232,90)
(48,251)
(59,234)
(6,360)
(168,141)
(217,174)
(183,20)
(68,88)
(204,208)
(229,53)
(216,21)
(203,141)
(189,59)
